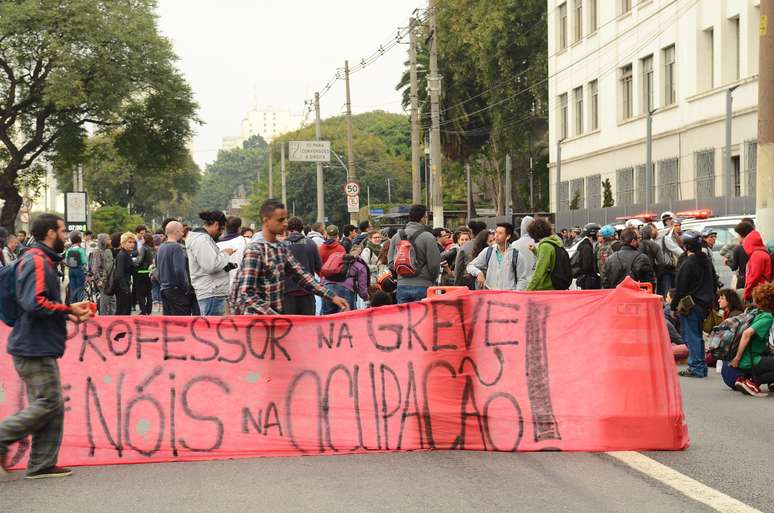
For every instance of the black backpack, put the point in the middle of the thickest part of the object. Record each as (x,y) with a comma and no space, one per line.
(561,274)
(111,280)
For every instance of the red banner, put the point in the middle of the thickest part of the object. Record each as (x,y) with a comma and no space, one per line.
(498,371)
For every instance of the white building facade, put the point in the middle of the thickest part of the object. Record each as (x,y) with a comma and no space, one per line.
(266,122)
(613,61)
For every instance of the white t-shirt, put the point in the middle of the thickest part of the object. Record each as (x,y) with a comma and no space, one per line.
(238,244)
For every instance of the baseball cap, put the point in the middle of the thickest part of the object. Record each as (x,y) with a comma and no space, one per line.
(332,230)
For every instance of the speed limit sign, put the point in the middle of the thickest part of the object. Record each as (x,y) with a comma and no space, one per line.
(352,189)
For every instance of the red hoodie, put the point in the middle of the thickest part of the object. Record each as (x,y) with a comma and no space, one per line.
(759,265)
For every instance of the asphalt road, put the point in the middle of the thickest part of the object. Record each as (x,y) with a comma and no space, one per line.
(732,451)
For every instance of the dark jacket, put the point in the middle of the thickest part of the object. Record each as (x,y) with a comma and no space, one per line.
(40,329)
(306,252)
(627,262)
(738,263)
(695,279)
(586,271)
(652,250)
(125,267)
(172,263)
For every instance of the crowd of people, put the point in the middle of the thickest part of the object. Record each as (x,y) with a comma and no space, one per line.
(222,268)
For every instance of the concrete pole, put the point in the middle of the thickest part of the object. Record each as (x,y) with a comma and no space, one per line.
(389,191)
(434,84)
(648,157)
(271,172)
(764,201)
(282,171)
(351,175)
(416,178)
(531,186)
(508,171)
(320,181)
(428,185)
(469,191)
(728,187)
(558,174)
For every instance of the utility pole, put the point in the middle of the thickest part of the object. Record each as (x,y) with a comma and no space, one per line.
(531,185)
(508,170)
(416,178)
(389,192)
(427,173)
(434,85)
(282,172)
(320,191)
(648,157)
(764,201)
(351,175)
(727,163)
(271,173)
(469,191)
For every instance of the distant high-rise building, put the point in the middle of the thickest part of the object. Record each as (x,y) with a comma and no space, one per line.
(266,122)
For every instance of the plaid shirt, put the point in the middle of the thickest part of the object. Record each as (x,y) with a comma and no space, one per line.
(260,283)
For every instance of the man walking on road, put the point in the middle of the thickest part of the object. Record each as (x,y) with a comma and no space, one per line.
(36,342)
(260,284)
(177,295)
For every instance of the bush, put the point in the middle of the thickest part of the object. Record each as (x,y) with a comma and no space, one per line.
(113,218)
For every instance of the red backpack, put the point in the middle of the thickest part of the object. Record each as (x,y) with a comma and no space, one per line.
(336,268)
(405,262)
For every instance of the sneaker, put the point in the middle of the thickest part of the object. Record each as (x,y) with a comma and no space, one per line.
(49,472)
(751,388)
(686,373)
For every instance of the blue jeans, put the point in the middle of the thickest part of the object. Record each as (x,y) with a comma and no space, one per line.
(156,292)
(328,307)
(410,293)
(691,325)
(212,306)
(77,284)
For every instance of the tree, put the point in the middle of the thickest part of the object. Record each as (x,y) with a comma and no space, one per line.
(382,151)
(607,194)
(112,179)
(230,170)
(575,201)
(66,65)
(113,218)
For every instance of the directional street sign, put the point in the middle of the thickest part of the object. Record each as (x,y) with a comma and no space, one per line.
(309,151)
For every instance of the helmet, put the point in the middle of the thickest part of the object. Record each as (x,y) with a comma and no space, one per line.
(590,230)
(692,240)
(707,231)
(665,216)
(607,231)
(386,282)
(634,223)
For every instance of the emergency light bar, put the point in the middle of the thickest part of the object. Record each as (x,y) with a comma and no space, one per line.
(702,213)
(645,217)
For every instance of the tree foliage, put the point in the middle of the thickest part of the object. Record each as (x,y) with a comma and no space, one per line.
(382,149)
(113,218)
(607,194)
(493,59)
(66,65)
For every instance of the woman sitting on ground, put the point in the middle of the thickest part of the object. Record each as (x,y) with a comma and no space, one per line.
(757,368)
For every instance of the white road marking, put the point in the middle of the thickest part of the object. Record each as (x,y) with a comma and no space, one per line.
(682,483)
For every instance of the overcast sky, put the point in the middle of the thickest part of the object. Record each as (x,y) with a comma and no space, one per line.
(278,53)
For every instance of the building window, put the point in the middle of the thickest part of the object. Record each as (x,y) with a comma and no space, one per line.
(625,6)
(736,172)
(562,29)
(594,104)
(670,96)
(646,64)
(578,94)
(563,116)
(594,191)
(578,20)
(624,186)
(705,173)
(643,183)
(706,59)
(627,98)
(736,55)
(668,180)
(592,7)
